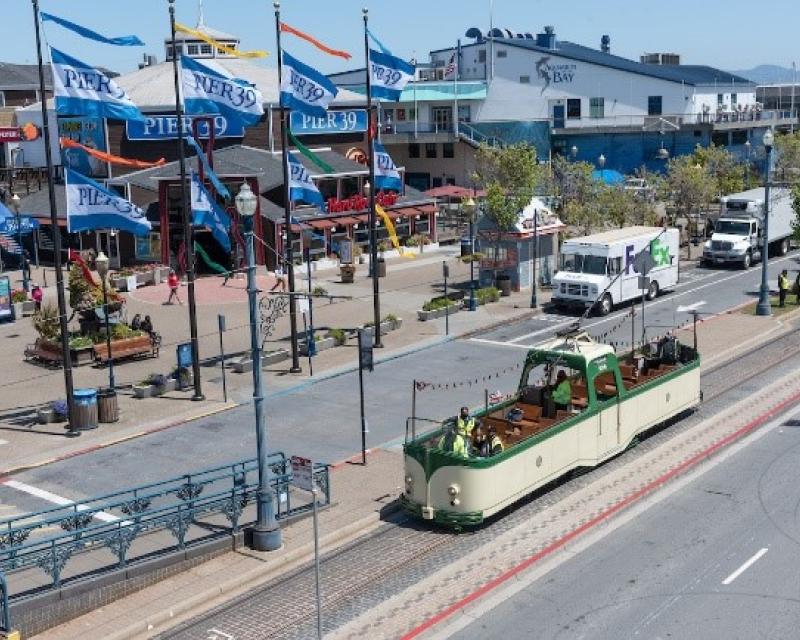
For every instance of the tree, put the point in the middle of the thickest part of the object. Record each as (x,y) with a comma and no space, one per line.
(573,181)
(787,157)
(687,186)
(509,175)
(725,169)
(615,205)
(796,207)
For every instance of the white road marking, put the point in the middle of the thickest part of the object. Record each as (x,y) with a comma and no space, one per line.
(690,307)
(2,442)
(745,566)
(499,343)
(59,500)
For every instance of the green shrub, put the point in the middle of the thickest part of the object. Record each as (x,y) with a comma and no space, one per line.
(19,295)
(319,291)
(80,342)
(487,294)
(438,303)
(46,322)
(390,318)
(338,335)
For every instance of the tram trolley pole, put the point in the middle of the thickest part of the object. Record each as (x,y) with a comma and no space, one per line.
(221,324)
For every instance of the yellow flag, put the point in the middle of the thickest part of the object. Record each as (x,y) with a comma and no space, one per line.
(392,234)
(219,45)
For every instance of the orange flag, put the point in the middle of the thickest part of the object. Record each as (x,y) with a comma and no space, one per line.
(285,28)
(66,143)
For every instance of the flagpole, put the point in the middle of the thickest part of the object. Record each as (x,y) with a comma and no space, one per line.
(287,219)
(187,227)
(62,303)
(455,89)
(373,244)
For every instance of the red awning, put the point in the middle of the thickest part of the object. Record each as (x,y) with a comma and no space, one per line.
(403,211)
(427,208)
(454,191)
(297,228)
(362,217)
(345,220)
(320,224)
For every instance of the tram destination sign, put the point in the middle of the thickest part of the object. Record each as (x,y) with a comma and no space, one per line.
(165,127)
(347,121)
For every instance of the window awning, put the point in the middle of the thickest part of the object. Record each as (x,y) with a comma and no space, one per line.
(427,208)
(403,211)
(345,220)
(320,224)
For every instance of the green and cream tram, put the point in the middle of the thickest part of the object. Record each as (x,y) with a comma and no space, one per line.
(612,401)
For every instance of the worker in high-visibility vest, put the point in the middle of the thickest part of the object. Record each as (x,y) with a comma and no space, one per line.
(783,287)
(562,395)
(453,442)
(465,423)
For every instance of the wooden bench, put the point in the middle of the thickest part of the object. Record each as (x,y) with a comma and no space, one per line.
(127,348)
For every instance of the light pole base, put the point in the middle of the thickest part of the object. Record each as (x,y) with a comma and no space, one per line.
(198,397)
(264,539)
(296,370)
(763,309)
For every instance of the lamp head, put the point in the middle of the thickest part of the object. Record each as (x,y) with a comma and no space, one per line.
(367,188)
(469,205)
(246,201)
(768,139)
(101,262)
(574,151)
(602,161)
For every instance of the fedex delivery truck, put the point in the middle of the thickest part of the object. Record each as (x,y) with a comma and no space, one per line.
(601,270)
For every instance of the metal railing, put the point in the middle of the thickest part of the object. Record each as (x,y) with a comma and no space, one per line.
(114,521)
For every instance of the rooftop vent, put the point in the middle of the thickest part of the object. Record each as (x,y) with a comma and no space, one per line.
(605,44)
(546,39)
(669,59)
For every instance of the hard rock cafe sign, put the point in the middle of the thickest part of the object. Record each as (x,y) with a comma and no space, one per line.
(356,155)
(359,202)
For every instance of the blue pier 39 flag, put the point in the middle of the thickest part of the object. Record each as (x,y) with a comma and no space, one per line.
(389,75)
(207,213)
(387,177)
(301,187)
(91,206)
(82,90)
(209,89)
(305,89)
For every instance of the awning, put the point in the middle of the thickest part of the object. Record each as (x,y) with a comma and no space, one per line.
(427,208)
(345,220)
(297,228)
(403,211)
(320,224)
(362,218)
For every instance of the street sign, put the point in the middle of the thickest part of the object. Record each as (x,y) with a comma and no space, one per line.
(221,321)
(346,251)
(644,263)
(183,353)
(644,282)
(302,473)
(445,269)
(347,121)
(365,361)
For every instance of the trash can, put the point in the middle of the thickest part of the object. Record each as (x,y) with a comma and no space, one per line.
(107,405)
(85,409)
(466,246)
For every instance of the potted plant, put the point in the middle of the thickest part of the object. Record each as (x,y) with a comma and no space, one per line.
(60,410)
(437,308)
(358,253)
(183,377)
(339,336)
(392,321)
(81,349)
(159,382)
(144,389)
(18,297)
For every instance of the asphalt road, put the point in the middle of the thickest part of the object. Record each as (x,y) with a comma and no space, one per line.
(319,419)
(716,559)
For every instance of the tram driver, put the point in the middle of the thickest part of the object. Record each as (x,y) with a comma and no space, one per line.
(562,392)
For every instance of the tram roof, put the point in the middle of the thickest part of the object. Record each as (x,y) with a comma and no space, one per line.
(581,346)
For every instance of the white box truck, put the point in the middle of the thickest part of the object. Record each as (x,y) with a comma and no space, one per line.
(739,230)
(599,269)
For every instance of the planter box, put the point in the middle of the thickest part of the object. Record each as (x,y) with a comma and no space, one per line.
(322,345)
(143,390)
(144,278)
(28,308)
(436,313)
(245,364)
(386,327)
(120,284)
(82,355)
(18,310)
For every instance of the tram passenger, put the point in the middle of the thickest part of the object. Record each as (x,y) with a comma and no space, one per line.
(465,423)
(495,444)
(453,442)
(562,395)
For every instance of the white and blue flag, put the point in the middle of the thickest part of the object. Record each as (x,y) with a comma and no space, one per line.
(82,90)
(207,213)
(305,89)
(91,206)
(388,74)
(301,187)
(209,89)
(387,177)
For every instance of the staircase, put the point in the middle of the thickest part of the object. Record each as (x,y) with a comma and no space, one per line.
(474,138)
(9,245)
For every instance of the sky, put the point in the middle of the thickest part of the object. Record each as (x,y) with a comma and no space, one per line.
(727,35)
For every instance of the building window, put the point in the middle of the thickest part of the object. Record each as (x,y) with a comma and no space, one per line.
(2,98)
(205,49)
(464,113)
(192,49)
(698,133)
(719,138)
(733,100)
(482,55)
(430,149)
(574,108)
(411,114)
(448,150)
(413,150)
(597,108)
(502,53)
(437,182)
(720,99)
(738,136)
(654,105)
(524,79)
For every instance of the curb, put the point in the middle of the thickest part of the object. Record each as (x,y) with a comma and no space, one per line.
(199,603)
(103,445)
(604,515)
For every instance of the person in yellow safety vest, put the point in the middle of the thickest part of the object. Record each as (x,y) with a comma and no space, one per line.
(465,423)
(453,442)
(495,443)
(783,287)
(562,396)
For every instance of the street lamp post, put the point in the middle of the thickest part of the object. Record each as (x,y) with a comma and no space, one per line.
(534,302)
(574,152)
(602,162)
(747,147)
(15,203)
(764,308)
(470,208)
(101,261)
(266,533)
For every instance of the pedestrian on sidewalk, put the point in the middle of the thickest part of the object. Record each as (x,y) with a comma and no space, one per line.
(797,288)
(37,294)
(173,283)
(783,287)
(280,277)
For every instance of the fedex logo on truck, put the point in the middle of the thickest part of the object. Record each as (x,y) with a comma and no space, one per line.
(658,250)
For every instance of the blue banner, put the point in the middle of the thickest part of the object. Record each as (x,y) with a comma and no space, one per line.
(305,89)
(348,121)
(221,189)
(301,187)
(207,213)
(91,206)
(82,90)
(165,127)
(387,177)
(389,75)
(121,41)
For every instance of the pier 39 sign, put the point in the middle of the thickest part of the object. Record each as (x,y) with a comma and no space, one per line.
(165,127)
(347,121)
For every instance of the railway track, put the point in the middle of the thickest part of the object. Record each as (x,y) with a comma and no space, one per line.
(404,552)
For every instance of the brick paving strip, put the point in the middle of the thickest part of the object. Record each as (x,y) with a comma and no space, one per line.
(450,589)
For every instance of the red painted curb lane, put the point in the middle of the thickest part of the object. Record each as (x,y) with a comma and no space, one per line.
(604,515)
(354,458)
